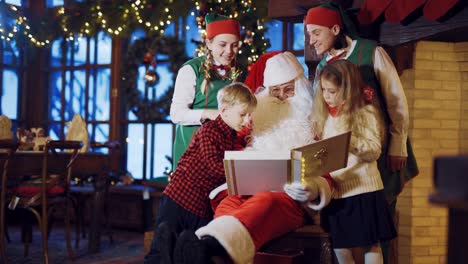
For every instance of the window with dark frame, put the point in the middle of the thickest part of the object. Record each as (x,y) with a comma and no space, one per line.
(11,72)
(79,82)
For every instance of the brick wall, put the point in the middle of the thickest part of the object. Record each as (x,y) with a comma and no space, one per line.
(437,93)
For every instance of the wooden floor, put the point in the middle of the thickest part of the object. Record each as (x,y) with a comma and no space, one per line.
(126,248)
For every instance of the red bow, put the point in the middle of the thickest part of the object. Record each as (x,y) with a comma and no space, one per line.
(227,68)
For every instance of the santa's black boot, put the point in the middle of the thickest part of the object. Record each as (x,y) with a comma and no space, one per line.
(189,249)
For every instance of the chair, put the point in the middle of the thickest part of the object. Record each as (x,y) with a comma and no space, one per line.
(10,146)
(99,193)
(44,194)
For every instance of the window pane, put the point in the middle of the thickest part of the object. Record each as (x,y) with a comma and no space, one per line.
(10,94)
(105,49)
(165,78)
(54,131)
(137,34)
(141,79)
(299,37)
(55,53)
(135,150)
(162,147)
(191,35)
(55,95)
(301,59)
(79,50)
(75,97)
(98,132)
(132,116)
(10,52)
(52,3)
(274,34)
(99,91)
(169,30)
(13,2)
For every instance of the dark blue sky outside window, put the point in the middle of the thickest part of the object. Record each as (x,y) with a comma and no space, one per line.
(10,94)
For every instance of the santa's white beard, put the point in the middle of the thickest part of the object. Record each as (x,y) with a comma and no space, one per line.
(279,126)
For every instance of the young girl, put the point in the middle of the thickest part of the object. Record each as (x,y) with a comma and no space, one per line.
(200,79)
(357,216)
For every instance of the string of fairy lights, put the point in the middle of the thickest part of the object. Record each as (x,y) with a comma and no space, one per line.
(131,14)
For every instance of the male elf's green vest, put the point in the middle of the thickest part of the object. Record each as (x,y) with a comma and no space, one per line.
(362,55)
(207,100)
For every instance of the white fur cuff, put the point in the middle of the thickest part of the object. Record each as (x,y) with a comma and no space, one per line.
(217,190)
(325,194)
(233,236)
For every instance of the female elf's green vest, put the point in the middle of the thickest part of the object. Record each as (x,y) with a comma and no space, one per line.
(362,55)
(184,133)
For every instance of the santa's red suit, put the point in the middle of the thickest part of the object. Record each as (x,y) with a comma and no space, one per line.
(243,224)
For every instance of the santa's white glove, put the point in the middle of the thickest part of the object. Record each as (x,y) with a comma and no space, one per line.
(300,192)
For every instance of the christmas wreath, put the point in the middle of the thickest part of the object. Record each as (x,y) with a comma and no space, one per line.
(143,52)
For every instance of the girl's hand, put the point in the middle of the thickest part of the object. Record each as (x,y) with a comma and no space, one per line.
(300,192)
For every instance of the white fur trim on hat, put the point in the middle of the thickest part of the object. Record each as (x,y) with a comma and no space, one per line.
(281,68)
(233,236)
(325,194)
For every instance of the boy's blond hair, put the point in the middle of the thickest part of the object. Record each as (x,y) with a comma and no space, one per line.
(237,94)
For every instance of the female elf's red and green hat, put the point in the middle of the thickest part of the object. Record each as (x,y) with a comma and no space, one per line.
(218,24)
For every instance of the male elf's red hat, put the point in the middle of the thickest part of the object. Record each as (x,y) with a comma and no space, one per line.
(329,14)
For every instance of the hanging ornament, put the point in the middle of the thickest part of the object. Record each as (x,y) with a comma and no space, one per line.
(148,59)
(151,77)
(248,37)
(200,19)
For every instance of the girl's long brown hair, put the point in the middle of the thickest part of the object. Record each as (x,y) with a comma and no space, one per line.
(347,77)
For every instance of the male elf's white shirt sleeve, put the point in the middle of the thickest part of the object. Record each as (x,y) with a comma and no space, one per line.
(395,99)
(184,94)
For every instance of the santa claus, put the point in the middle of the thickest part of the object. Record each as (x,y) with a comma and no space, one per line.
(241,224)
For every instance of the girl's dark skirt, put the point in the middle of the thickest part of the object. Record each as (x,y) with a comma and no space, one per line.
(358,221)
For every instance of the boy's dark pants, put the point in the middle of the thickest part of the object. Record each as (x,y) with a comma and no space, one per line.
(178,220)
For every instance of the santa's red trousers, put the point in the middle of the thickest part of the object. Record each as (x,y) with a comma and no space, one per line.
(266,215)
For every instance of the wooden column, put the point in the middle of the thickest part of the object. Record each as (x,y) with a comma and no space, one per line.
(34,89)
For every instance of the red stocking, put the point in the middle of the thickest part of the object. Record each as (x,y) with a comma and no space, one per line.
(400,9)
(434,9)
(371,10)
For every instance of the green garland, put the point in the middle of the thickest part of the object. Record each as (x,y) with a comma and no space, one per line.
(156,110)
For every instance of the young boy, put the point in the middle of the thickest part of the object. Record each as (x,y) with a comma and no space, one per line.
(185,203)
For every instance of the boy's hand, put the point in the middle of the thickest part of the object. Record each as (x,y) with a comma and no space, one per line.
(300,192)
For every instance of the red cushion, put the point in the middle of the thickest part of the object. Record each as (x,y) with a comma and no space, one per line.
(30,191)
